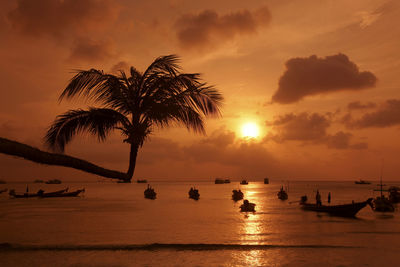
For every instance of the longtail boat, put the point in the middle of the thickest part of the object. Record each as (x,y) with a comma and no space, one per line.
(64,194)
(344,210)
(50,194)
(24,195)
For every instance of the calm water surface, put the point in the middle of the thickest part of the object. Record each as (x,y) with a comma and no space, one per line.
(113,225)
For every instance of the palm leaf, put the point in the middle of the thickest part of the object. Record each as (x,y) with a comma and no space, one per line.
(96,121)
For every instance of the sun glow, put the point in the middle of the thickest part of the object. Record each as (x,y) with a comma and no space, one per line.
(250,130)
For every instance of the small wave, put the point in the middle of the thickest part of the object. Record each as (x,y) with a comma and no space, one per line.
(158,246)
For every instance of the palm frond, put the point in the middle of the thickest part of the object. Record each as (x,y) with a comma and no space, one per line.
(96,121)
(99,87)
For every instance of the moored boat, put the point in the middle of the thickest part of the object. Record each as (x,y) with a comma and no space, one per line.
(3,190)
(244,182)
(24,195)
(344,210)
(53,181)
(394,194)
(237,195)
(247,206)
(282,195)
(219,181)
(362,182)
(227,181)
(143,181)
(194,193)
(50,194)
(150,193)
(63,194)
(266,180)
(382,204)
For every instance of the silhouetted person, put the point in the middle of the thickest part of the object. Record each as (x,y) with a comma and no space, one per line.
(329,197)
(318,198)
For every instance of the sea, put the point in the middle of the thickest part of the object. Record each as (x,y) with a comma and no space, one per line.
(112,224)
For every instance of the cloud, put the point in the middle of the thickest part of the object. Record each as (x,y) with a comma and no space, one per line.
(91,50)
(208,29)
(59,19)
(387,115)
(311,76)
(341,140)
(356,105)
(310,129)
(300,127)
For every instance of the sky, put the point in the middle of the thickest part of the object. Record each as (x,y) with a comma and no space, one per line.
(319,79)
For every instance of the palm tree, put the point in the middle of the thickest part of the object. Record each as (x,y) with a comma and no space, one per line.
(135,105)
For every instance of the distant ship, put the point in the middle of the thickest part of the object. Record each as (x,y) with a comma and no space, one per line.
(362,182)
(219,181)
(53,181)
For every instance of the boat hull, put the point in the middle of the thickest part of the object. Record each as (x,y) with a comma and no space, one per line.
(64,194)
(346,210)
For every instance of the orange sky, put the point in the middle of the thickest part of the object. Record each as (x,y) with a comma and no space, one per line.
(320,78)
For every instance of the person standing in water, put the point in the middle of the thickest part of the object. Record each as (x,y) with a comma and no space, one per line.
(329,197)
(318,198)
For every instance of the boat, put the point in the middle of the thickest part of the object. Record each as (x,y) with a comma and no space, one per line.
(63,194)
(38,181)
(282,195)
(219,181)
(237,195)
(50,194)
(227,181)
(194,193)
(247,206)
(143,181)
(244,182)
(2,182)
(362,182)
(53,181)
(150,193)
(3,190)
(382,203)
(124,181)
(344,210)
(394,194)
(24,195)
(266,181)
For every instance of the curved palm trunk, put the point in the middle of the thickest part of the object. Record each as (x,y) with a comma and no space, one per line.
(132,161)
(14,148)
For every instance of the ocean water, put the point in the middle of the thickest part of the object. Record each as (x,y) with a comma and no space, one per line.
(114,225)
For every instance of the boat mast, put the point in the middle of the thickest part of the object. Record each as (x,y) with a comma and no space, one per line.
(381,179)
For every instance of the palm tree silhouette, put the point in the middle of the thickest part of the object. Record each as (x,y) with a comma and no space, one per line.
(135,105)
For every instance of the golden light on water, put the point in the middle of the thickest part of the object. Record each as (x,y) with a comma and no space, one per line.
(250,130)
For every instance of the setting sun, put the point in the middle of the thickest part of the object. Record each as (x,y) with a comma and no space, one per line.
(250,129)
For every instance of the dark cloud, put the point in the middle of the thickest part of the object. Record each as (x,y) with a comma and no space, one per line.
(58,19)
(310,129)
(90,50)
(356,105)
(341,140)
(208,29)
(300,127)
(388,114)
(313,75)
